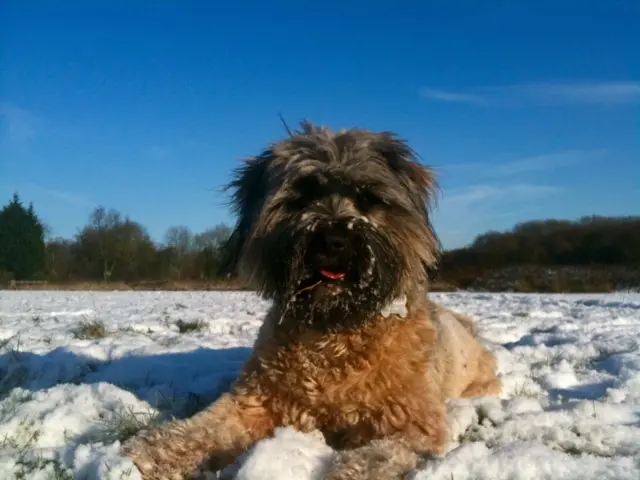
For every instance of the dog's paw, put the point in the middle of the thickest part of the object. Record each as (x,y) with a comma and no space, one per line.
(153,463)
(145,465)
(385,459)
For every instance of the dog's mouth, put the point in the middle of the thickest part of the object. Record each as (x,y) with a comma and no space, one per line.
(335,259)
(329,276)
(333,276)
(336,274)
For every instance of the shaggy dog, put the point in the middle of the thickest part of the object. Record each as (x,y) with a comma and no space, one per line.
(335,230)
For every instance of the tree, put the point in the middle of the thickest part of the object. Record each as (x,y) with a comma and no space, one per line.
(112,247)
(180,242)
(180,238)
(22,246)
(211,250)
(60,260)
(214,237)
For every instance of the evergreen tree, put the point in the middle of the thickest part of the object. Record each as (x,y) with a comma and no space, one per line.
(22,245)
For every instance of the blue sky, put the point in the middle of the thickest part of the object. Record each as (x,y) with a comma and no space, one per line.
(527,109)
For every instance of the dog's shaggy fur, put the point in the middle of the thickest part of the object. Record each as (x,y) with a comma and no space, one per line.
(335,230)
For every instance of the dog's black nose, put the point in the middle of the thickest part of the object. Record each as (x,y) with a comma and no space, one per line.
(334,243)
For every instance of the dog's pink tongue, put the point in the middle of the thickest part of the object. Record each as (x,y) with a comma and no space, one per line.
(332,275)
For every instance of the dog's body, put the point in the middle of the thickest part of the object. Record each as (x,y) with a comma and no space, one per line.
(335,230)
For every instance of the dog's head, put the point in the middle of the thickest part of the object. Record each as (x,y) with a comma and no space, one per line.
(336,225)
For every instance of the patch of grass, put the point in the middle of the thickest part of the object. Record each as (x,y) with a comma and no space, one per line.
(5,343)
(126,423)
(603,353)
(168,341)
(13,372)
(11,402)
(90,330)
(188,327)
(471,435)
(552,329)
(553,360)
(525,390)
(21,445)
(520,314)
(37,464)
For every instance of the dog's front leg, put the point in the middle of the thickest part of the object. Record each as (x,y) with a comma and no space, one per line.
(407,435)
(389,459)
(210,440)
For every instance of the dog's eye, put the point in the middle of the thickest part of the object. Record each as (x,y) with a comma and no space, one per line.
(309,188)
(367,201)
(305,191)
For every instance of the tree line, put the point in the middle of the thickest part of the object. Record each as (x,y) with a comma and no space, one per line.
(111,247)
(594,242)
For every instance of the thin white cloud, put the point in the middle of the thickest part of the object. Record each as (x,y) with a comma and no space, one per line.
(19,124)
(61,195)
(475,194)
(542,94)
(606,93)
(526,165)
(451,97)
(540,163)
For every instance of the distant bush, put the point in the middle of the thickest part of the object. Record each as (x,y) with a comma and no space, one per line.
(588,241)
(591,254)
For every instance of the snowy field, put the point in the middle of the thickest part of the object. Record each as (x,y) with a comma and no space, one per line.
(80,372)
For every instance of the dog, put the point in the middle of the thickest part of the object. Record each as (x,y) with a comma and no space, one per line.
(335,230)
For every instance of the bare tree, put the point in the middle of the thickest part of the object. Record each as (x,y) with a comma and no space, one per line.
(182,244)
(210,245)
(111,242)
(47,230)
(180,238)
(213,237)
(104,225)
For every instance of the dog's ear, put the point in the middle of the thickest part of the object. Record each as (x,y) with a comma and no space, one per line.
(249,187)
(421,184)
(403,161)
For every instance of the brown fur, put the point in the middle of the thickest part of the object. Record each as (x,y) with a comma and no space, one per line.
(374,385)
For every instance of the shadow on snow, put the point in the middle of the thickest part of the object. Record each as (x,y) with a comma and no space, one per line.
(190,379)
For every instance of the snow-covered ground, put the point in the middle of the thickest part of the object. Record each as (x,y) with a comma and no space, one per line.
(80,372)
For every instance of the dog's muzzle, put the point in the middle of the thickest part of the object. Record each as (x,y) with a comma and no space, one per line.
(338,252)
(331,251)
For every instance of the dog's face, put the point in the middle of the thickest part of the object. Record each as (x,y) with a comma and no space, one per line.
(334,225)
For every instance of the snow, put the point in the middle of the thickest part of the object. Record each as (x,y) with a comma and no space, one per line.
(71,392)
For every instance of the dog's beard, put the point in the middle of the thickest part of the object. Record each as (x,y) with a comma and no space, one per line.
(341,274)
